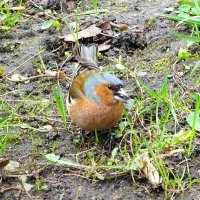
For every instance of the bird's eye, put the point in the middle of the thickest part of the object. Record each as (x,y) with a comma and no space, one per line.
(110,87)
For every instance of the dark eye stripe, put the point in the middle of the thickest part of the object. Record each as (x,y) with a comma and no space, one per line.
(115,87)
(120,86)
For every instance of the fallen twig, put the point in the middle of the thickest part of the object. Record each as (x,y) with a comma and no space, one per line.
(2,190)
(18,8)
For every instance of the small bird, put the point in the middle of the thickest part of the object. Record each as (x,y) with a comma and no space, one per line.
(95,99)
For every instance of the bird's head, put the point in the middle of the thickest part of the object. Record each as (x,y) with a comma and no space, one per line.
(105,88)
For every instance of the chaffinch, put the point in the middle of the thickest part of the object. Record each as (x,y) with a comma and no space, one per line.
(95,99)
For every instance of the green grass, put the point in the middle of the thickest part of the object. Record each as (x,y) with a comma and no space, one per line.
(58,95)
(195,69)
(3,144)
(189,15)
(13,124)
(6,123)
(8,18)
(95,4)
(196,115)
(163,108)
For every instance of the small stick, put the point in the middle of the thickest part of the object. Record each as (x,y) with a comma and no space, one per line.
(19,8)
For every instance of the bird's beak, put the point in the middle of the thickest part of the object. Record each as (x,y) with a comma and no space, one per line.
(121,95)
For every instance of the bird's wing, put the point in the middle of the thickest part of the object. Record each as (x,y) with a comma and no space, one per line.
(77,86)
(87,58)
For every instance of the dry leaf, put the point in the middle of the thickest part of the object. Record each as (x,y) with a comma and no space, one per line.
(46,128)
(3,163)
(169,9)
(45,101)
(141,74)
(91,31)
(122,27)
(61,74)
(110,33)
(50,73)
(172,153)
(104,25)
(18,78)
(104,47)
(70,5)
(148,169)
(24,185)
(12,166)
(181,137)
(27,186)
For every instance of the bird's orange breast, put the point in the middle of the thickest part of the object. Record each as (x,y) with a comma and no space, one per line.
(90,115)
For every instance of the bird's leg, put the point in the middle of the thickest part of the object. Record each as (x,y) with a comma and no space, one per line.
(109,140)
(82,133)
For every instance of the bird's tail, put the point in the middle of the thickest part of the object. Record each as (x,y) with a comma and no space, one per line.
(87,55)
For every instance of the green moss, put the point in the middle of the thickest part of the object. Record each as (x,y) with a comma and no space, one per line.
(151,21)
(9,46)
(162,64)
(3,87)
(2,71)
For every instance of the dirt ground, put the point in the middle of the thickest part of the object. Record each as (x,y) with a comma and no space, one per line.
(29,149)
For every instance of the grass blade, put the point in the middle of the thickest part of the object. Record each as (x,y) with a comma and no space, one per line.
(185,37)
(196,115)
(60,102)
(189,21)
(164,92)
(194,70)
(151,92)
